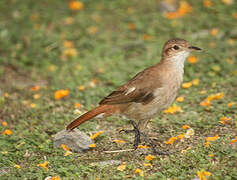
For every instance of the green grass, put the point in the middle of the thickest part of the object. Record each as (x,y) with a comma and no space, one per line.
(31,42)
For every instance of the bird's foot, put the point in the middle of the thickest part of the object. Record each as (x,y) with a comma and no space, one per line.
(137,139)
(135,130)
(153,147)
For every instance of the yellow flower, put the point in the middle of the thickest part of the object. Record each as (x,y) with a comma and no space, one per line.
(4,152)
(173,109)
(76,5)
(68,44)
(69,20)
(147,164)
(67,153)
(184,8)
(212,44)
(150,157)
(235,15)
(187,85)
(171,140)
(214,31)
(69,52)
(131,26)
(92,145)
(7,132)
(17,166)
(59,94)
(212,138)
(92,30)
(51,68)
(180,136)
(35,88)
(192,59)
(234,73)
(211,155)
(55,178)
(77,105)
(225,120)
(44,165)
(228,2)
(205,103)
(32,105)
(230,41)
(207,3)
(180,99)
(96,134)
(4,123)
(147,37)
(36,96)
(216,68)
(231,104)
(65,147)
(202,174)
(203,92)
(195,82)
(234,140)
(6,95)
(185,127)
(229,61)
(139,171)
(81,87)
(122,166)
(143,146)
(118,141)
(215,96)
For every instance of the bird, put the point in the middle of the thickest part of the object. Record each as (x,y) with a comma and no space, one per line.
(147,94)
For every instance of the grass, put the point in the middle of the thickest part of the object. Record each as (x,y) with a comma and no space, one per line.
(32,35)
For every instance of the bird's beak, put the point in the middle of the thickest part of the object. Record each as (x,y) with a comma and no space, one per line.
(194,48)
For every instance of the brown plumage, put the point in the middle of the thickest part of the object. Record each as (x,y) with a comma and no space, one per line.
(147,93)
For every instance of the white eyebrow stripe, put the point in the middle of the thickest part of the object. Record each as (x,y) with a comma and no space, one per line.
(130,90)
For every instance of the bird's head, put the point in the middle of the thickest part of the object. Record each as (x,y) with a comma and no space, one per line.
(177,50)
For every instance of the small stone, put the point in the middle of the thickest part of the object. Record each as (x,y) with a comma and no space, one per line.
(106,163)
(76,140)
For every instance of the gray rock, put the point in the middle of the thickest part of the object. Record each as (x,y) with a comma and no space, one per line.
(76,140)
(106,163)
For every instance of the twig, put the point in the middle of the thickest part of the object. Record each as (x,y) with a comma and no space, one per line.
(118,151)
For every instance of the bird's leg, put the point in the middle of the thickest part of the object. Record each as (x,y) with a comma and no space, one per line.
(135,129)
(153,147)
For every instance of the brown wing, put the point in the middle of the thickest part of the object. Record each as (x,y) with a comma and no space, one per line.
(144,83)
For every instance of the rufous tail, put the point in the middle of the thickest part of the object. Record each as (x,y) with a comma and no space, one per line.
(107,110)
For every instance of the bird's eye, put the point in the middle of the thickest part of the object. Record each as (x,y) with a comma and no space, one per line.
(176,47)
